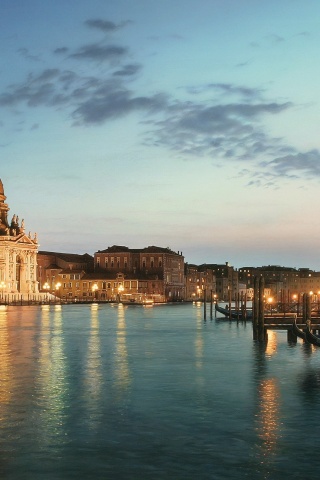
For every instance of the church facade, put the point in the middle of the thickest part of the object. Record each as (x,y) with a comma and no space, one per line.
(18,256)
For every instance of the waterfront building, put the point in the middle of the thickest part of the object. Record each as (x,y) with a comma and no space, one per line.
(285,283)
(304,281)
(227,280)
(200,283)
(78,285)
(158,270)
(54,268)
(18,256)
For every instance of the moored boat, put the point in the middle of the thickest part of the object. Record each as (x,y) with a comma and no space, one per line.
(296,330)
(136,299)
(233,314)
(311,337)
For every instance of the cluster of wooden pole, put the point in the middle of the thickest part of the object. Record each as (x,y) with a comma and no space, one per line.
(259,331)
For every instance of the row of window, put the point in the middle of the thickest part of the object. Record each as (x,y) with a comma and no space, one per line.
(115,261)
(127,284)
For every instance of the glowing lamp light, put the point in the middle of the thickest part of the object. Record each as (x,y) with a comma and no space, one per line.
(2,287)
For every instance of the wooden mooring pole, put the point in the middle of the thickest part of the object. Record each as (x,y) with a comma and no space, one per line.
(259,331)
(255,308)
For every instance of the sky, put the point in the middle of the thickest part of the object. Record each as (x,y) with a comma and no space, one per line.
(188,124)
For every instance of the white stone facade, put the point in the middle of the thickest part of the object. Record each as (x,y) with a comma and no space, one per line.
(18,256)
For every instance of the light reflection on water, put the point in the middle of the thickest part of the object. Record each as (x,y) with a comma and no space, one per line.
(107,391)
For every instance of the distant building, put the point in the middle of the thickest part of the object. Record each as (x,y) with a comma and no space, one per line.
(200,283)
(284,283)
(53,268)
(227,280)
(151,270)
(18,256)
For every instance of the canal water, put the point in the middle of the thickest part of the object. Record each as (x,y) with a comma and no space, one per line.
(115,392)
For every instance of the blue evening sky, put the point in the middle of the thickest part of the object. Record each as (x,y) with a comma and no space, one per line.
(191,124)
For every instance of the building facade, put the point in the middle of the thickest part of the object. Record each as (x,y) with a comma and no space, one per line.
(54,268)
(18,256)
(158,271)
(200,283)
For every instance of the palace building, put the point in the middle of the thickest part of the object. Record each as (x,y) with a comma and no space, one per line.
(18,256)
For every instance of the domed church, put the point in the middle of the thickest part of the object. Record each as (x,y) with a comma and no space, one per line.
(18,256)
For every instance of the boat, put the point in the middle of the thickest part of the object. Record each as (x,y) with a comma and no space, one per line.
(233,314)
(296,330)
(136,299)
(311,337)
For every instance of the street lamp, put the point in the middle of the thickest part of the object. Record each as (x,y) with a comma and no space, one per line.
(2,287)
(46,287)
(270,300)
(58,285)
(120,290)
(94,289)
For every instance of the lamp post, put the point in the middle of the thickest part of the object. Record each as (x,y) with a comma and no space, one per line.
(199,293)
(270,300)
(46,287)
(94,290)
(58,285)
(120,290)
(2,287)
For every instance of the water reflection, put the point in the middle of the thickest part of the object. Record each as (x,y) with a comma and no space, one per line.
(199,339)
(5,364)
(272,344)
(122,371)
(52,381)
(267,413)
(93,370)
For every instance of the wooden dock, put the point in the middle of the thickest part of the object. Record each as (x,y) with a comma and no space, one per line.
(262,321)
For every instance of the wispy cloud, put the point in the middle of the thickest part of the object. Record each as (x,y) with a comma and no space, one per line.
(106,26)
(221,121)
(307,164)
(100,52)
(128,70)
